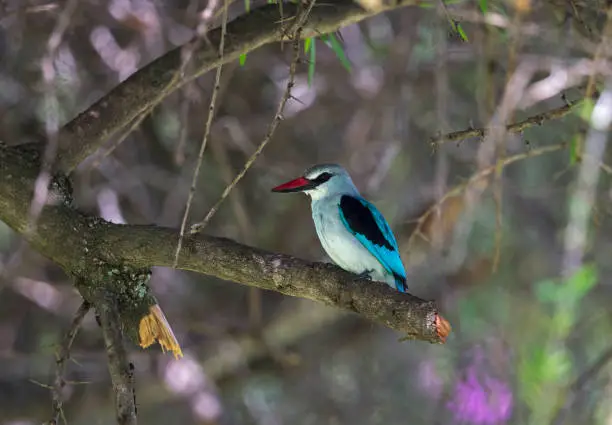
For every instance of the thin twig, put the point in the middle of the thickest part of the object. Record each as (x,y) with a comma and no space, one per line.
(498,200)
(442,90)
(92,128)
(578,17)
(245,229)
(485,172)
(516,127)
(62,356)
(451,21)
(51,116)
(500,142)
(49,153)
(583,195)
(486,156)
(560,78)
(121,370)
(602,47)
(582,198)
(278,117)
(206,15)
(190,48)
(211,112)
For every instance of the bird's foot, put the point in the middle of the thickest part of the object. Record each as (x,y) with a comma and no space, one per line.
(365,275)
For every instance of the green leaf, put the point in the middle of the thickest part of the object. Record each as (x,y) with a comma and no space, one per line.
(542,370)
(541,365)
(461,32)
(556,366)
(313,61)
(585,110)
(570,291)
(332,41)
(582,281)
(432,5)
(484,6)
(307,44)
(247,5)
(242,59)
(457,28)
(547,291)
(563,321)
(575,148)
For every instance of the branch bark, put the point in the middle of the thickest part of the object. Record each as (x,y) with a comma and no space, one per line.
(228,260)
(151,84)
(121,370)
(89,248)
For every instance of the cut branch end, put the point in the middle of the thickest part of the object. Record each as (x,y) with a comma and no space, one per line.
(443,328)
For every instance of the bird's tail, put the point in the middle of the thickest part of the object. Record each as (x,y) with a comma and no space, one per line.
(154,327)
(400,283)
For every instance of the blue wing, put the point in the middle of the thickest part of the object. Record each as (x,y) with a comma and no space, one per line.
(370,228)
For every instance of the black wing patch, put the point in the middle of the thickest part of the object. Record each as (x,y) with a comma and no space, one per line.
(360,220)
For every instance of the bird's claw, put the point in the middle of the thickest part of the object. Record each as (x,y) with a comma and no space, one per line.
(365,275)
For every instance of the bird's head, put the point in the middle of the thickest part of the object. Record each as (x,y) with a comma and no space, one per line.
(320,181)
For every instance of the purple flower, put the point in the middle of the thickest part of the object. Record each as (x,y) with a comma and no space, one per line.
(485,401)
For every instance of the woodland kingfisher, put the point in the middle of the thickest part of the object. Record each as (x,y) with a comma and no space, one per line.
(352,231)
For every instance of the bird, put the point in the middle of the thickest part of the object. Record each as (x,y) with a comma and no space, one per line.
(351,230)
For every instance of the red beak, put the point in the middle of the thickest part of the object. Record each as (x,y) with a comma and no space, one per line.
(297,185)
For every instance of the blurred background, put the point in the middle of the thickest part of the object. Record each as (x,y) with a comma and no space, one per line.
(507,233)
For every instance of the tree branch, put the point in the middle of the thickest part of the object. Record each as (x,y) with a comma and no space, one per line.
(516,127)
(278,116)
(89,248)
(121,370)
(62,356)
(228,260)
(150,85)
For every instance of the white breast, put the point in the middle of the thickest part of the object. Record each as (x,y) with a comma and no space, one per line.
(341,246)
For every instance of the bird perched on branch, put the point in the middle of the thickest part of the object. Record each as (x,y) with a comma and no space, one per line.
(352,231)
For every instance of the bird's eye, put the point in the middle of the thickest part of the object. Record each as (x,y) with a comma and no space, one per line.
(323,177)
